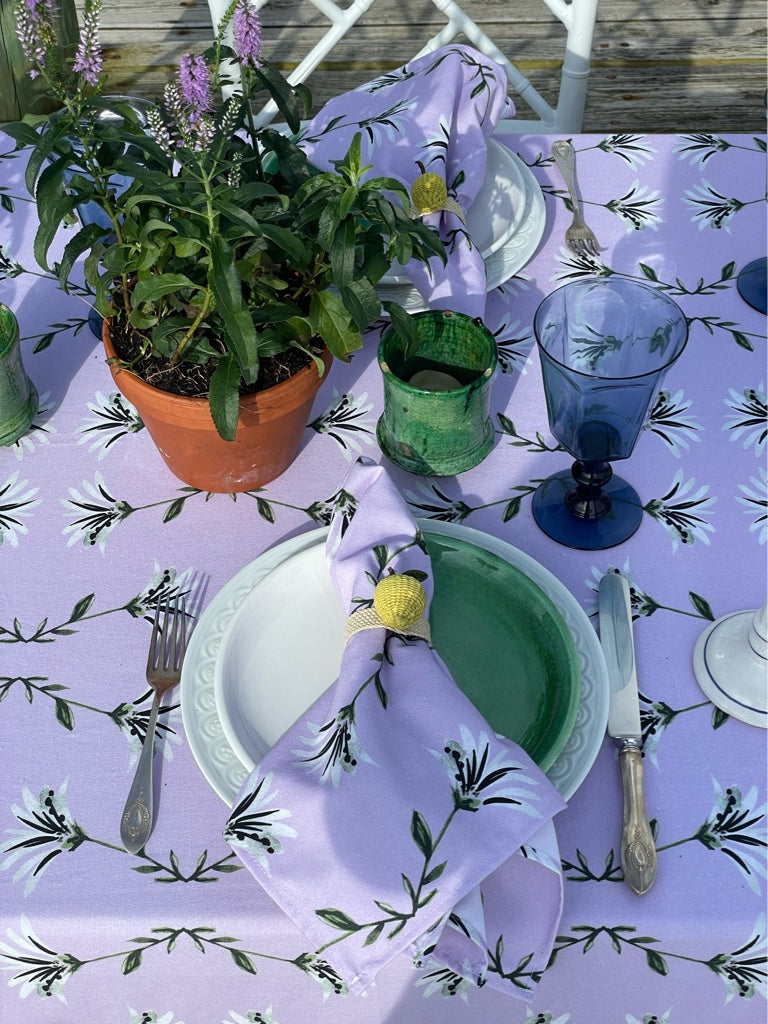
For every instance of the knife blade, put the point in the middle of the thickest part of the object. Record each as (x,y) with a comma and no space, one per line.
(638,853)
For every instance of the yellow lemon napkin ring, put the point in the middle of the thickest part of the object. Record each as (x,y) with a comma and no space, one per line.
(429,194)
(399,603)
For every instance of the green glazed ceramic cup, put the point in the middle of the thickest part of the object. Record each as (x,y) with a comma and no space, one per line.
(18,396)
(436,418)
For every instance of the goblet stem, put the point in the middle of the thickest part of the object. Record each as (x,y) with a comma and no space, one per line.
(589,501)
(587,506)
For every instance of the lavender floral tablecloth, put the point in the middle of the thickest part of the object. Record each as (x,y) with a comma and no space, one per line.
(93,528)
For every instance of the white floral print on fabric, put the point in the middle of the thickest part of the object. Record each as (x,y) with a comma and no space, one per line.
(17,502)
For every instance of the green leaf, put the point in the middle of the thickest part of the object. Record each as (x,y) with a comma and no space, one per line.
(81,608)
(131,962)
(242,217)
(343,254)
(506,425)
(347,201)
(227,288)
(435,873)
(374,934)
(289,102)
(243,961)
(421,834)
(701,605)
(361,301)
(53,211)
(511,510)
(75,247)
(656,962)
(174,509)
(428,898)
(719,717)
(265,510)
(64,714)
(150,289)
(288,242)
(405,327)
(742,340)
(331,321)
(224,394)
(408,886)
(338,919)
(648,272)
(45,341)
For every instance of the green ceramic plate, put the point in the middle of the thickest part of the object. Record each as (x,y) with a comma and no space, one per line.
(504,641)
(506,646)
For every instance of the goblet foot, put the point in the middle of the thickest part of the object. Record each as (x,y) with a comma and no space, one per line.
(593,516)
(731,665)
(751,284)
(95,322)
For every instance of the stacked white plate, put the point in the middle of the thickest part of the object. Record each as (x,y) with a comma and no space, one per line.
(271,640)
(506,222)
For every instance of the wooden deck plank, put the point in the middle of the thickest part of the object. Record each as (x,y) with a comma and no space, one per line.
(657,66)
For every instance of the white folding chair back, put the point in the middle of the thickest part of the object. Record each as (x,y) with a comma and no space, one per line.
(577,17)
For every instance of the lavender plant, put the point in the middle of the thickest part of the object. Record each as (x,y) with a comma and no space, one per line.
(226,246)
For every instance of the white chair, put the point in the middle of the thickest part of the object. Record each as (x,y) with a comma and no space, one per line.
(577,17)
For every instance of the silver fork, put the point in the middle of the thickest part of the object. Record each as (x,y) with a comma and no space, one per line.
(579,237)
(166,653)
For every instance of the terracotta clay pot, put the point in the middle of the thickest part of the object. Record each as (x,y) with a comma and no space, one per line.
(269,428)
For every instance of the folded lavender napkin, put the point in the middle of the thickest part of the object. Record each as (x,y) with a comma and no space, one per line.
(437,111)
(390,818)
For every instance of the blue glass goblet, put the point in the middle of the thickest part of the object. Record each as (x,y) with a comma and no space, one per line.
(605,345)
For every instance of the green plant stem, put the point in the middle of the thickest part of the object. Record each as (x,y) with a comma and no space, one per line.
(208,296)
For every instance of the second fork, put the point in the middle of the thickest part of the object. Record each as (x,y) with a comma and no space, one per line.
(579,237)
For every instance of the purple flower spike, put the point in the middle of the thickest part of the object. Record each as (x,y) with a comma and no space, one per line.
(247,32)
(41,10)
(195,82)
(35,30)
(88,59)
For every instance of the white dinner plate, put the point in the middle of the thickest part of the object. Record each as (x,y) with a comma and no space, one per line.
(508,258)
(208,740)
(497,211)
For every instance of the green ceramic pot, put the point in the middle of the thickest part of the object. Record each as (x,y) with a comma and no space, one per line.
(18,396)
(436,418)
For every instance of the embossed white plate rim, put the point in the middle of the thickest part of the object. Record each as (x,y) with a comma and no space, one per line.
(226,773)
(508,259)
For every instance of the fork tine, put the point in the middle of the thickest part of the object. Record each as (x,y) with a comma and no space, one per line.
(179,632)
(156,632)
(173,641)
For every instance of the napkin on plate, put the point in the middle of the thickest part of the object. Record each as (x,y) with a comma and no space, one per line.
(438,109)
(390,818)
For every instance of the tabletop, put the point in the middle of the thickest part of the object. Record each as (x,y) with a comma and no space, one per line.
(93,529)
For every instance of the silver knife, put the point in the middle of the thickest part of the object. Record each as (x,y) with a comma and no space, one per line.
(638,853)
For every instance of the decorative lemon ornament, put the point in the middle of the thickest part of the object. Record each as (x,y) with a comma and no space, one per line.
(400,601)
(429,194)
